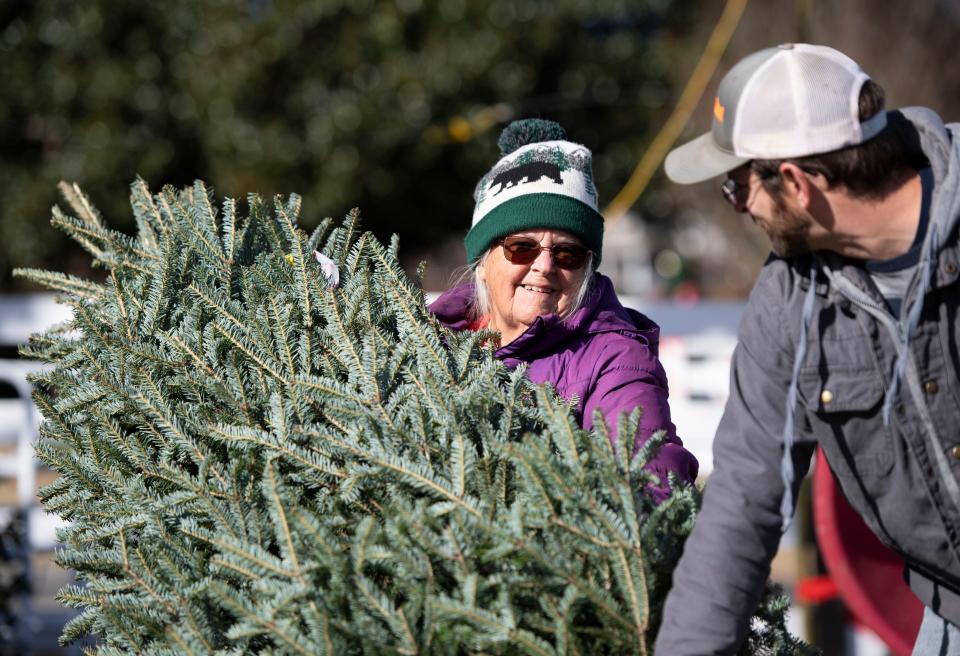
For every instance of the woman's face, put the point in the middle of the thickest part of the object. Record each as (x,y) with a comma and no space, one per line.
(519,293)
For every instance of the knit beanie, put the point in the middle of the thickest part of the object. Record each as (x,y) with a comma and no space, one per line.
(541,181)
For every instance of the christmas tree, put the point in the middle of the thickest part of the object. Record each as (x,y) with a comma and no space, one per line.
(267,444)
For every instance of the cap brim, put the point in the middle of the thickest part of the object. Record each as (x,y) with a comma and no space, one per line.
(700,160)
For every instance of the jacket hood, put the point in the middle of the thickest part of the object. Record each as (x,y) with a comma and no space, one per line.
(942,150)
(601,312)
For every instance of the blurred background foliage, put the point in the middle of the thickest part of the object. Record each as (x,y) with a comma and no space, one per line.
(395,105)
(391,106)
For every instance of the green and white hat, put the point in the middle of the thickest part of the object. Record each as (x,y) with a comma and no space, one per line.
(541,181)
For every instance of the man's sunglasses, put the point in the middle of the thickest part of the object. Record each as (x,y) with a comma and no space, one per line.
(523,250)
(737,194)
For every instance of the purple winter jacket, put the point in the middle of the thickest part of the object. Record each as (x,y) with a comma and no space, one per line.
(605,354)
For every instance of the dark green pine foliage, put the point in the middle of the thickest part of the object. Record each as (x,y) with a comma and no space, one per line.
(254,461)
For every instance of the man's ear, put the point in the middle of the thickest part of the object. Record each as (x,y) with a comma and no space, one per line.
(796,184)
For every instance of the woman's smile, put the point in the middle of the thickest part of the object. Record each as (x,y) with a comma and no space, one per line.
(519,293)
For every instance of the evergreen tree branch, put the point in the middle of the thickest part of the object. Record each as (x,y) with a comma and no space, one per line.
(63,282)
(80,203)
(150,224)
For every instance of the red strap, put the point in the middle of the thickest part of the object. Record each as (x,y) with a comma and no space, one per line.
(479,323)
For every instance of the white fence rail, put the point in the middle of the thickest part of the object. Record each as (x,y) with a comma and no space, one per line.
(696,343)
(21,315)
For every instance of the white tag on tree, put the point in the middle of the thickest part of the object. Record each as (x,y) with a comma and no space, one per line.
(329,268)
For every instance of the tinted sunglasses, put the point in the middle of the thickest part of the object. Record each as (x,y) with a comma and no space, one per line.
(524,250)
(737,194)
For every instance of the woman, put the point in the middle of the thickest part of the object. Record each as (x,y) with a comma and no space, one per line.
(534,248)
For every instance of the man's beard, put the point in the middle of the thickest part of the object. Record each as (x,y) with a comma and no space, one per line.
(788,231)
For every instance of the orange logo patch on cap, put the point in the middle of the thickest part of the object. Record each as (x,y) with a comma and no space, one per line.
(718,109)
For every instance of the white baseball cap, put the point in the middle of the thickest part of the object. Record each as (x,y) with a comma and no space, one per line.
(792,100)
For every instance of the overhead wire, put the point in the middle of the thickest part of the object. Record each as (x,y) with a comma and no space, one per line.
(688,102)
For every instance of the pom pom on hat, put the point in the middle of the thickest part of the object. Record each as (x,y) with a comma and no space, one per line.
(528,131)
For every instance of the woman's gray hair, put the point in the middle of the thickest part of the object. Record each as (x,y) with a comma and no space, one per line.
(481,295)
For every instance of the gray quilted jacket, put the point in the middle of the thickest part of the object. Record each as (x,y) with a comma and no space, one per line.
(829,365)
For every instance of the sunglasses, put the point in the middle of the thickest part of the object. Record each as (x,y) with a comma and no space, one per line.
(737,194)
(524,250)
(734,193)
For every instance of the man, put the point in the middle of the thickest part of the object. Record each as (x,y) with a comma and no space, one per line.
(849,339)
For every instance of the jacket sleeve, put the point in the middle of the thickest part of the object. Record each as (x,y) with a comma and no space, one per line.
(726,560)
(629,375)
